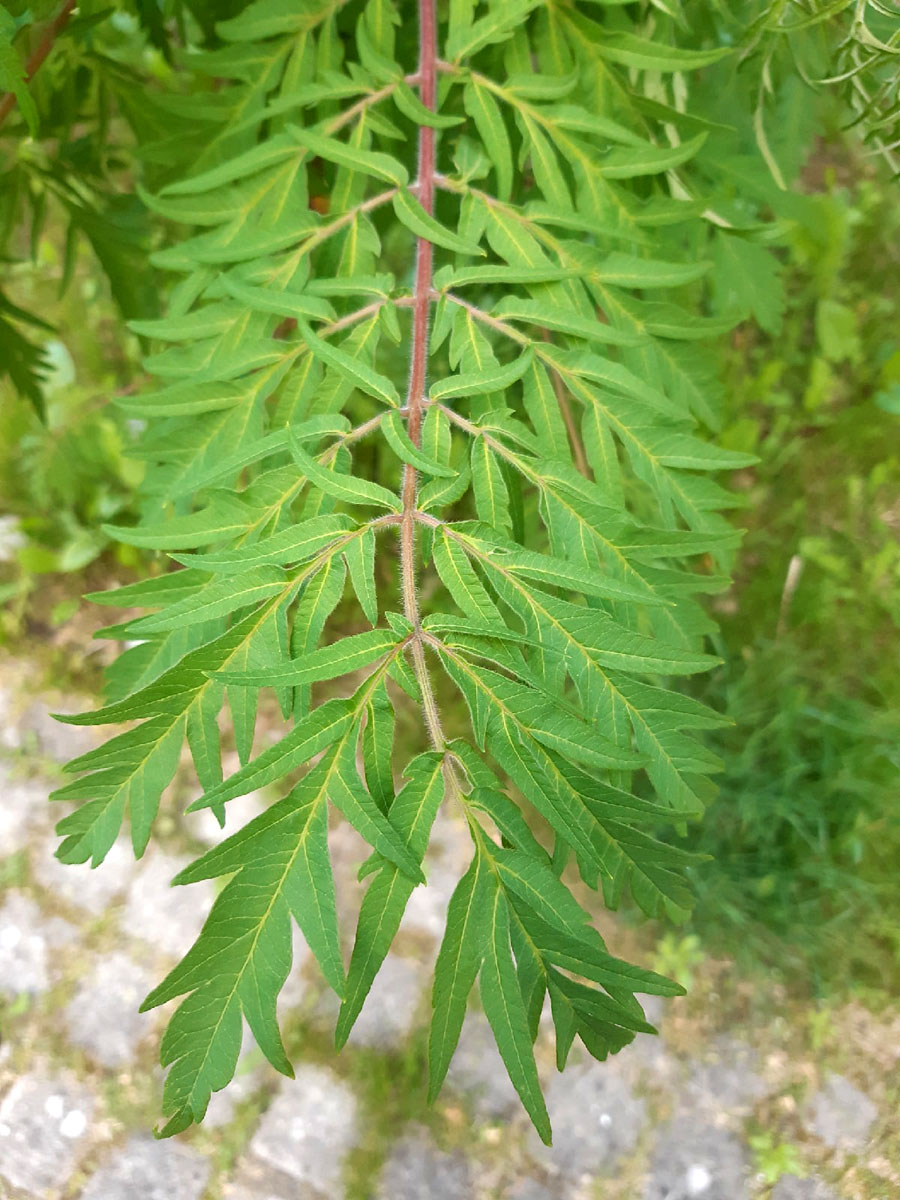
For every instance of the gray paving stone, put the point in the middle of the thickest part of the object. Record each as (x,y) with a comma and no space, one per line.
(79,885)
(789,1187)
(417,1170)
(9,733)
(655,1008)
(390,1008)
(596,1121)
(23,809)
(37,729)
(347,850)
(310,1129)
(530,1189)
(11,536)
(44,1123)
(324,1009)
(426,910)
(204,826)
(649,1059)
(840,1115)
(727,1081)
(451,841)
(168,918)
(26,938)
(102,1017)
(693,1159)
(150,1170)
(255,1181)
(477,1071)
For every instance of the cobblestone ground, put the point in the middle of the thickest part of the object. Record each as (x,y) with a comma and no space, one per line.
(745,1094)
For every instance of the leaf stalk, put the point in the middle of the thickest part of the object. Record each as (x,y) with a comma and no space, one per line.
(421,307)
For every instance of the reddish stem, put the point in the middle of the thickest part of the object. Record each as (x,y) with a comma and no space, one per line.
(424,248)
(53,30)
(421,310)
(559,389)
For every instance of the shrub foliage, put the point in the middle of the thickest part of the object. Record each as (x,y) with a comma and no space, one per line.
(437,345)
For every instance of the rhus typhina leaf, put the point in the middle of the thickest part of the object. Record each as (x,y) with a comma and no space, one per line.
(432,303)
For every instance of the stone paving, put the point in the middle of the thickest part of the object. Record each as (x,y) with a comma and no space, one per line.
(671,1118)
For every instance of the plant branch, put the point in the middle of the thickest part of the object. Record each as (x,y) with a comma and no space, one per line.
(559,387)
(418,362)
(568,417)
(360,314)
(36,61)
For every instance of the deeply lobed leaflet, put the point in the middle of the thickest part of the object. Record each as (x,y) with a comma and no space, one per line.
(535,424)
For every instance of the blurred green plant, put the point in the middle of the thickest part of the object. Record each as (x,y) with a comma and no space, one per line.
(772,1159)
(87,105)
(66,472)
(804,837)
(679,956)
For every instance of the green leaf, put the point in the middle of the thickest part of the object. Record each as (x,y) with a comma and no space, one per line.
(461,276)
(343,487)
(646,55)
(283,304)
(296,544)
(489,486)
(241,959)
(396,436)
(271,153)
(485,112)
(317,731)
(359,554)
(152,592)
(182,400)
(411,106)
(12,73)
(627,270)
(224,517)
(358,373)
(412,815)
(216,599)
(349,654)
(354,800)
(320,596)
(492,379)
(630,163)
(411,214)
(505,1010)
(535,883)
(747,280)
(128,775)
(458,963)
(589,328)
(545,165)
(462,583)
(378,746)
(582,120)
(557,572)
(370,162)
(497,26)
(567,501)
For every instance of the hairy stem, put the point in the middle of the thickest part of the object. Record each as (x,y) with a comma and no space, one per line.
(421,311)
